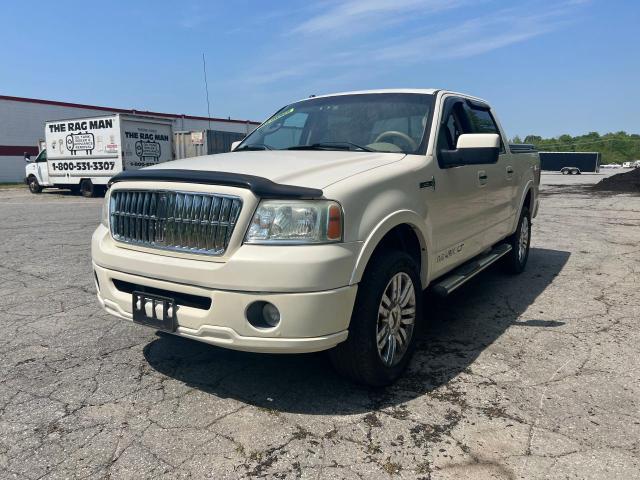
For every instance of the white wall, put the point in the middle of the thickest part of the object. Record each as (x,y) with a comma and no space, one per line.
(22,123)
(12,168)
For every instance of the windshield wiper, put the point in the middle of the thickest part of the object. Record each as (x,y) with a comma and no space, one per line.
(330,146)
(254,146)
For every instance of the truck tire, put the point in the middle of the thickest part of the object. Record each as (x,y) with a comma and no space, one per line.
(34,186)
(515,261)
(87,188)
(384,323)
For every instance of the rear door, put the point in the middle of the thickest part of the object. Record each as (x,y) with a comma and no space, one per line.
(457,201)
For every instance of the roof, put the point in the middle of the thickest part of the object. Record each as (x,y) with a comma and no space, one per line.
(121,110)
(424,91)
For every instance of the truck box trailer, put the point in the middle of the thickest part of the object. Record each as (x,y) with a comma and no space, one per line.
(570,162)
(84,153)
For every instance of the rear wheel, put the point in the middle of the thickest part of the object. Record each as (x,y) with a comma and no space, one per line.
(516,260)
(34,186)
(384,321)
(87,188)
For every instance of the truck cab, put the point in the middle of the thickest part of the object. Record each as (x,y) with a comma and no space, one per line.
(36,172)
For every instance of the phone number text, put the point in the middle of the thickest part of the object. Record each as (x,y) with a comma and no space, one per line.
(82,166)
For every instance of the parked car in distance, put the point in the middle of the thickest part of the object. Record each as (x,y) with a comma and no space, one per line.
(322,228)
(627,165)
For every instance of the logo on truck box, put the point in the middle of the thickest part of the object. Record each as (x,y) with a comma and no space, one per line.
(148,149)
(80,141)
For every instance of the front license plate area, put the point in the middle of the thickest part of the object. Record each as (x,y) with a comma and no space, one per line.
(154,311)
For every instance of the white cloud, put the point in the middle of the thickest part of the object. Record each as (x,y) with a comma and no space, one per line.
(421,37)
(473,37)
(347,17)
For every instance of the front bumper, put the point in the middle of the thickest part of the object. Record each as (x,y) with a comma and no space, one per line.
(310,321)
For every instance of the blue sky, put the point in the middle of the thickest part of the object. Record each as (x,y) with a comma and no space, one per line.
(549,67)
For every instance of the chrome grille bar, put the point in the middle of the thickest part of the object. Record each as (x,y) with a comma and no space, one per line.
(180,221)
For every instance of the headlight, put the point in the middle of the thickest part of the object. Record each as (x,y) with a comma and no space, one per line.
(296,222)
(104,220)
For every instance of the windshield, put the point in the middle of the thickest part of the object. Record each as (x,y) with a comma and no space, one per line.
(379,122)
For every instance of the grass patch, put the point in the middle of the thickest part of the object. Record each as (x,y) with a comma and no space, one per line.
(11,184)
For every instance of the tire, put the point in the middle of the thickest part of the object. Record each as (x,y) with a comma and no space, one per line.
(516,260)
(359,357)
(564,172)
(34,186)
(87,188)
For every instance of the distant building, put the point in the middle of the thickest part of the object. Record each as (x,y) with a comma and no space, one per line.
(22,126)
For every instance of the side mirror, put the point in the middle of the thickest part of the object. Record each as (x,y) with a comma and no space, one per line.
(472,149)
(235,144)
(27,157)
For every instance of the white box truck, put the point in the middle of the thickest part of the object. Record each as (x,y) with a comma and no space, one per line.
(84,153)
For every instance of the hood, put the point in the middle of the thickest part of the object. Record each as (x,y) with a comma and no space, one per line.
(313,169)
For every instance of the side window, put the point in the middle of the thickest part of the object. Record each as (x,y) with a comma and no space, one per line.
(42,157)
(483,122)
(455,125)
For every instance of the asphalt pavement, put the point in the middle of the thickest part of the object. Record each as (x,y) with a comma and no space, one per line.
(533,376)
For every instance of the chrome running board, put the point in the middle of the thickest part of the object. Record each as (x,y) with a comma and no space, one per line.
(467,271)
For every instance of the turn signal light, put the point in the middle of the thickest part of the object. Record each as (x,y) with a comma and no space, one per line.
(334,225)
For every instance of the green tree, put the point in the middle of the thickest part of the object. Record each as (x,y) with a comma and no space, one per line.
(614,147)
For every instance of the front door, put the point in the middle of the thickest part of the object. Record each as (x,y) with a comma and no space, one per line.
(457,202)
(500,177)
(43,169)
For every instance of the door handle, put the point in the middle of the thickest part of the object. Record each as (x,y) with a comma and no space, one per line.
(482,178)
(509,172)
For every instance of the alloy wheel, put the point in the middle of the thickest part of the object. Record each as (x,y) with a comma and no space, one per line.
(396,319)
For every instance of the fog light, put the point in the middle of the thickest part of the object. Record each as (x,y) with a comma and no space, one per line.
(263,315)
(270,314)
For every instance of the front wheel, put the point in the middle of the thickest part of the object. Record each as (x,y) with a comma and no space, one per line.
(520,241)
(384,322)
(34,186)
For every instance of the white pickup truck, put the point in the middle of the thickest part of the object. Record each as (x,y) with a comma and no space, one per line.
(322,228)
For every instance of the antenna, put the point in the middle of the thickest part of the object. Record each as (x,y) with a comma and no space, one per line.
(206,88)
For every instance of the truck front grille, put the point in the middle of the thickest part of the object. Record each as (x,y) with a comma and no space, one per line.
(180,221)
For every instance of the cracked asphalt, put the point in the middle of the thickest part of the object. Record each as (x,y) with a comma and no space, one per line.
(535,376)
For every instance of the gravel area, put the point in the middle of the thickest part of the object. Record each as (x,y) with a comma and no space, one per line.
(534,376)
